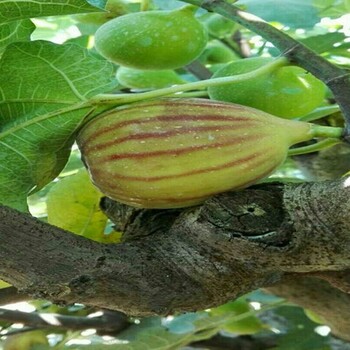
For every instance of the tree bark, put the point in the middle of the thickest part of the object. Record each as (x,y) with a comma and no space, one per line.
(184,260)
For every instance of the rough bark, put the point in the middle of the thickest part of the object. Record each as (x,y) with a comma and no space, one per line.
(184,260)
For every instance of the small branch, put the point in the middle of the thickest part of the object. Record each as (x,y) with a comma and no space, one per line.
(199,70)
(108,322)
(336,78)
(242,44)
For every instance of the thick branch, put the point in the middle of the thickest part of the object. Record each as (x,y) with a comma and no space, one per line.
(183,260)
(336,78)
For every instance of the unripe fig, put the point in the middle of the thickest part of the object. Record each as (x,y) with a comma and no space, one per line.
(218,26)
(178,152)
(152,39)
(287,92)
(217,52)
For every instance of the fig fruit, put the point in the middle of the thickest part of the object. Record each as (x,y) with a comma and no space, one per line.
(218,26)
(147,79)
(178,152)
(217,52)
(287,92)
(152,39)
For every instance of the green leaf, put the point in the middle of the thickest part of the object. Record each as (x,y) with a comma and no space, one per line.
(4,284)
(301,333)
(331,8)
(41,105)
(14,10)
(323,43)
(73,204)
(15,31)
(292,13)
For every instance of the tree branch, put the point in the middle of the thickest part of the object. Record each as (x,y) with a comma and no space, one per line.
(183,260)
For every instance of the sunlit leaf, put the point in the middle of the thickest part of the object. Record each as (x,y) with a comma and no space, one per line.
(43,88)
(4,284)
(14,10)
(73,204)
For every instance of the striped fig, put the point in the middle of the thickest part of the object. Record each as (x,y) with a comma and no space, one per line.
(178,152)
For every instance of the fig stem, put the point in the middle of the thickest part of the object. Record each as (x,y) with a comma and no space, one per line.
(326,131)
(197,85)
(314,147)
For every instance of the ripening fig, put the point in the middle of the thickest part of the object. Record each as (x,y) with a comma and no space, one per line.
(152,39)
(178,152)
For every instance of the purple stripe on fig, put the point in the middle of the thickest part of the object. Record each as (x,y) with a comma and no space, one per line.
(164,134)
(176,151)
(189,173)
(163,118)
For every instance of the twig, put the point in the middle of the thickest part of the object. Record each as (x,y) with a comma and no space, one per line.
(199,70)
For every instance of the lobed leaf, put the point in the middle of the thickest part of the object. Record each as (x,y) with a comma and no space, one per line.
(23,9)
(42,94)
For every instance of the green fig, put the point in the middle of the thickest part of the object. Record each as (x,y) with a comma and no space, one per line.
(178,152)
(152,39)
(287,92)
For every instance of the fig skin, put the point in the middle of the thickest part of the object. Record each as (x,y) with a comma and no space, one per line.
(152,39)
(174,153)
(287,92)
